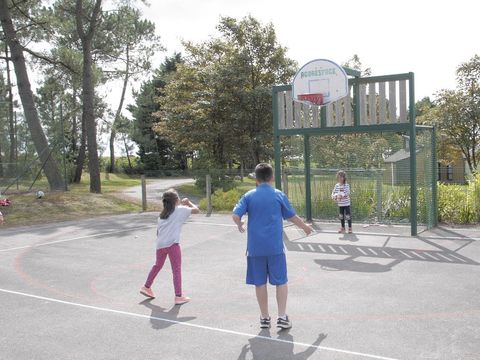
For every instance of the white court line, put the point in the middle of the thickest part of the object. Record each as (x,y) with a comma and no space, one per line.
(102,234)
(203,327)
(76,238)
(209,223)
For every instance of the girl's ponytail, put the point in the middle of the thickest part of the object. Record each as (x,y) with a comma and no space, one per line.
(169,200)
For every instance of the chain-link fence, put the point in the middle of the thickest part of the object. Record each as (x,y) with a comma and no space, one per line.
(379,195)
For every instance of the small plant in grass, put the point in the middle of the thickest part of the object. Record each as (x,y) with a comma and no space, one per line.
(396,205)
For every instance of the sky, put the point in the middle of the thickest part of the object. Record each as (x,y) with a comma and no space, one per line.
(429,38)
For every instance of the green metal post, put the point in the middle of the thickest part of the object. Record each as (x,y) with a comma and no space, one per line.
(308,189)
(379,188)
(276,141)
(434,176)
(413,157)
(323,117)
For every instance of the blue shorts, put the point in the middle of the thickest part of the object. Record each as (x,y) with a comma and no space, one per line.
(273,267)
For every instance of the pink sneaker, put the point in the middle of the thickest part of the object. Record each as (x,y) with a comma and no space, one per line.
(179,300)
(147,292)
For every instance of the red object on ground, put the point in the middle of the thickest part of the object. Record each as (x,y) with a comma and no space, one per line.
(5,202)
(315,99)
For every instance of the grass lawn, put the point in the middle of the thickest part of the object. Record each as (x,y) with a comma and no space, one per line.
(77,203)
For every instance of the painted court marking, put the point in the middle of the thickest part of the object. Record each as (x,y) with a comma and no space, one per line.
(76,238)
(197,326)
(105,233)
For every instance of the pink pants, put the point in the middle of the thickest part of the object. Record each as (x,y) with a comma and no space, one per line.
(175,255)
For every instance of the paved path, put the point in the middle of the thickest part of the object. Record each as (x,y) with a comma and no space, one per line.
(155,188)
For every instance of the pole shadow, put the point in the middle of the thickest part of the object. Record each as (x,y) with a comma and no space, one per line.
(350,252)
(261,347)
(161,318)
(350,264)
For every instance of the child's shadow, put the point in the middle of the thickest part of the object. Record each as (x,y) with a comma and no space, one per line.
(349,237)
(161,319)
(262,348)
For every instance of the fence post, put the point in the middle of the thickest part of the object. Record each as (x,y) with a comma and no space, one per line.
(144,193)
(379,195)
(208,183)
(285,182)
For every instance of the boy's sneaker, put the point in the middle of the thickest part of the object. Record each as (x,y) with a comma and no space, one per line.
(147,292)
(179,300)
(284,323)
(265,323)
(350,230)
(341,231)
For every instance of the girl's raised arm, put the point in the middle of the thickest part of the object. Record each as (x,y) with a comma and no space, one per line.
(187,202)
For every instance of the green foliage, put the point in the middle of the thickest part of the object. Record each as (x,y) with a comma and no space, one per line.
(352,150)
(156,151)
(218,178)
(223,200)
(219,102)
(396,204)
(460,204)
(456,113)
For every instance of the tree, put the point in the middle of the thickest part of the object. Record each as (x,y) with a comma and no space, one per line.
(138,44)
(26,95)
(87,19)
(447,151)
(155,150)
(457,113)
(355,63)
(218,104)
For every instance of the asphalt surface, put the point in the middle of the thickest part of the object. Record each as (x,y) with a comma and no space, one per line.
(70,291)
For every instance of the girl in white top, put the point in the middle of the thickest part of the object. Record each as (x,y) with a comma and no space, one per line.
(170,221)
(341,194)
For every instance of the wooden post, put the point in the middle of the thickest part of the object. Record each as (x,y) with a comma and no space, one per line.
(144,193)
(209,194)
(285,182)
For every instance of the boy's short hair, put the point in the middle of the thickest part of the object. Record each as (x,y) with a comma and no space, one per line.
(264,172)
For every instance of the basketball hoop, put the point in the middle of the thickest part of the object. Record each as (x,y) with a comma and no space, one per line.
(320,82)
(314,99)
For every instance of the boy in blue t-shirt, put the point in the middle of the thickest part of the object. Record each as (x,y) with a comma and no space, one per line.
(267,207)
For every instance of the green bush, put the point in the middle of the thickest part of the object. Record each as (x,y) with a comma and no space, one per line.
(223,200)
(460,204)
(219,179)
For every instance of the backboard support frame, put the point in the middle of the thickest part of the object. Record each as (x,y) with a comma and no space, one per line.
(359,126)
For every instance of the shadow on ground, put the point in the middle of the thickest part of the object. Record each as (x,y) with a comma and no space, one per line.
(161,318)
(351,252)
(265,346)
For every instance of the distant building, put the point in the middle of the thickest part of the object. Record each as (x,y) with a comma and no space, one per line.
(453,173)
(397,167)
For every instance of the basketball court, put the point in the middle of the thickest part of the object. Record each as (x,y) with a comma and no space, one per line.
(70,291)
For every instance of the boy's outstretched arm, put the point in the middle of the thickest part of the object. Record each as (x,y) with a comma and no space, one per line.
(301,224)
(239,222)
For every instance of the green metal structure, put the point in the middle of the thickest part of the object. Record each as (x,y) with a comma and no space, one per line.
(368,108)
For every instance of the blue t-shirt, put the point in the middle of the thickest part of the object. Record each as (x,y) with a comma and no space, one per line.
(266,208)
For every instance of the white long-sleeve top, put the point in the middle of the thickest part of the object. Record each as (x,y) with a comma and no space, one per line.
(341,194)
